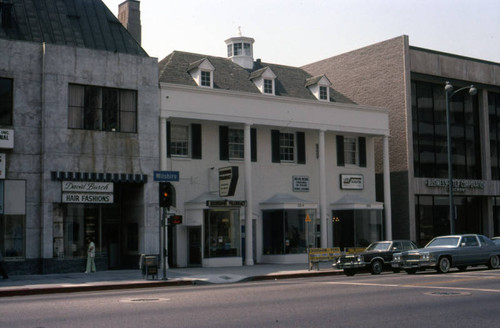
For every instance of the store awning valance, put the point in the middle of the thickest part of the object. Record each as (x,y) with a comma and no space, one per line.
(356,202)
(287,201)
(98,177)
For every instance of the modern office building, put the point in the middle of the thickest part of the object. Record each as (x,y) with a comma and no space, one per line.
(411,81)
(78,138)
(271,160)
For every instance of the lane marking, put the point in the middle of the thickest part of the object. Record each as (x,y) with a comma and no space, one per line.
(415,286)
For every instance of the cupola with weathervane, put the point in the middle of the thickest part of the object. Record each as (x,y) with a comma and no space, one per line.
(240,50)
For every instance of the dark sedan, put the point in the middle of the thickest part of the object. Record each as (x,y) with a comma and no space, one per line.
(445,252)
(375,258)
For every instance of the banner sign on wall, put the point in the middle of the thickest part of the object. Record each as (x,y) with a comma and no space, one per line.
(300,183)
(351,181)
(6,138)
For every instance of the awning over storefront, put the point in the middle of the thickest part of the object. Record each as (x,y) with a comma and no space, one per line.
(99,177)
(287,201)
(356,202)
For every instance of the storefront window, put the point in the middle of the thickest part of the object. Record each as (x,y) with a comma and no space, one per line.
(496,216)
(80,222)
(287,232)
(356,228)
(12,218)
(433,219)
(13,236)
(222,233)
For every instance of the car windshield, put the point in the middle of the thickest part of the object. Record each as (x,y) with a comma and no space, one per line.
(378,247)
(443,241)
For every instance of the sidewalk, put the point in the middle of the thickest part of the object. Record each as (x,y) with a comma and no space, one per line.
(125,279)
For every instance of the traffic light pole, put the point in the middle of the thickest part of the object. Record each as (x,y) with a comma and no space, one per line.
(164,252)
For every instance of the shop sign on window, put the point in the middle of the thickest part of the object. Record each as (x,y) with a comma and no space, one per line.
(87,192)
(2,166)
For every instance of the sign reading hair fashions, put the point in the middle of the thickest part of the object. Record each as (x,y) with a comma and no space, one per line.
(87,192)
(351,181)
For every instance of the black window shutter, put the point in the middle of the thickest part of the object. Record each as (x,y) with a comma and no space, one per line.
(196,141)
(275,146)
(169,151)
(301,148)
(223,143)
(340,151)
(362,151)
(253,144)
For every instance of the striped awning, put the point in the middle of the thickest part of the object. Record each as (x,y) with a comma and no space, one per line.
(98,177)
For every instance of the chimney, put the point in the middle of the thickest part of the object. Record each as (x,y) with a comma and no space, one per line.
(129,14)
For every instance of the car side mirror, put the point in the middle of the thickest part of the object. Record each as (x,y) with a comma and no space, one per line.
(462,245)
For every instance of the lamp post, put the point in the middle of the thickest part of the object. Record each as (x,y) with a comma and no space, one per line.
(449,94)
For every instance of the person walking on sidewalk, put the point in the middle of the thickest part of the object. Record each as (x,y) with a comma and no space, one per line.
(90,256)
(3,272)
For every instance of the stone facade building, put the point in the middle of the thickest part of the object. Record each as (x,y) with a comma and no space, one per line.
(79,123)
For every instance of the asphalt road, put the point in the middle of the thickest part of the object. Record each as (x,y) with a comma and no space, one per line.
(457,299)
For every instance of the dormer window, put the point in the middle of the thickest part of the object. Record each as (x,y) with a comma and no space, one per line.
(206,79)
(319,87)
(202,73)
(323,93)
(264,79)
(268,86)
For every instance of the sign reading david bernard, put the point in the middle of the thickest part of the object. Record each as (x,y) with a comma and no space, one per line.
(351,181)
(87,192)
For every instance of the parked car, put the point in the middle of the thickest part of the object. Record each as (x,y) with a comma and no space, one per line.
(375,258)
(496,240)
(445,252)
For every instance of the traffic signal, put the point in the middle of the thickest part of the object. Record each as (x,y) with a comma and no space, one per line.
(167,194)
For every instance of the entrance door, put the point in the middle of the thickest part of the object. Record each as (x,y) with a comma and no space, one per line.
(111,243)
(194,246)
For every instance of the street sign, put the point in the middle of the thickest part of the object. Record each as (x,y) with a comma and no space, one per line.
(166,176)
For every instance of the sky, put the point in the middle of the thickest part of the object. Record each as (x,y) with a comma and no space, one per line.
(300,32)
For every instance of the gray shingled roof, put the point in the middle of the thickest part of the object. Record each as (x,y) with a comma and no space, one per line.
(77,23)
(290,81)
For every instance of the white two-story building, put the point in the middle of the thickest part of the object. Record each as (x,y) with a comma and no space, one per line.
(300,155)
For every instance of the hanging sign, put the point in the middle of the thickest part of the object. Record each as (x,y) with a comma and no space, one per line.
(228,178)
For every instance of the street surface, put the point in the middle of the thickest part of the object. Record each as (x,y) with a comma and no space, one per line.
(426,299)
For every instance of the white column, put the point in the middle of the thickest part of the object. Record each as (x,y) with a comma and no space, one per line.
(322,192)
(163,143)
(248,196)
(387,191)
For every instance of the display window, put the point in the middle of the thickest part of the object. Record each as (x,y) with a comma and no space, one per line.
(222,233)
(288,231)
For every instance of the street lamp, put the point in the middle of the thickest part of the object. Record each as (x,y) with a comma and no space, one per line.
(449,94)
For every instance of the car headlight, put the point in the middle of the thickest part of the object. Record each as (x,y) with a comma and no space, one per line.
(361,258)
(426,256)
(396,257)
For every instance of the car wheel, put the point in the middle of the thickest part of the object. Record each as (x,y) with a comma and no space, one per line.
(376,267)
(411,271)
(349,272)
(444,265)
(462,268)
(494,262)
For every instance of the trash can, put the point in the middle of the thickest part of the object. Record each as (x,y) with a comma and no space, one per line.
(148,264)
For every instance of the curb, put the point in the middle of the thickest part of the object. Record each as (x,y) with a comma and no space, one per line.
(26,291)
